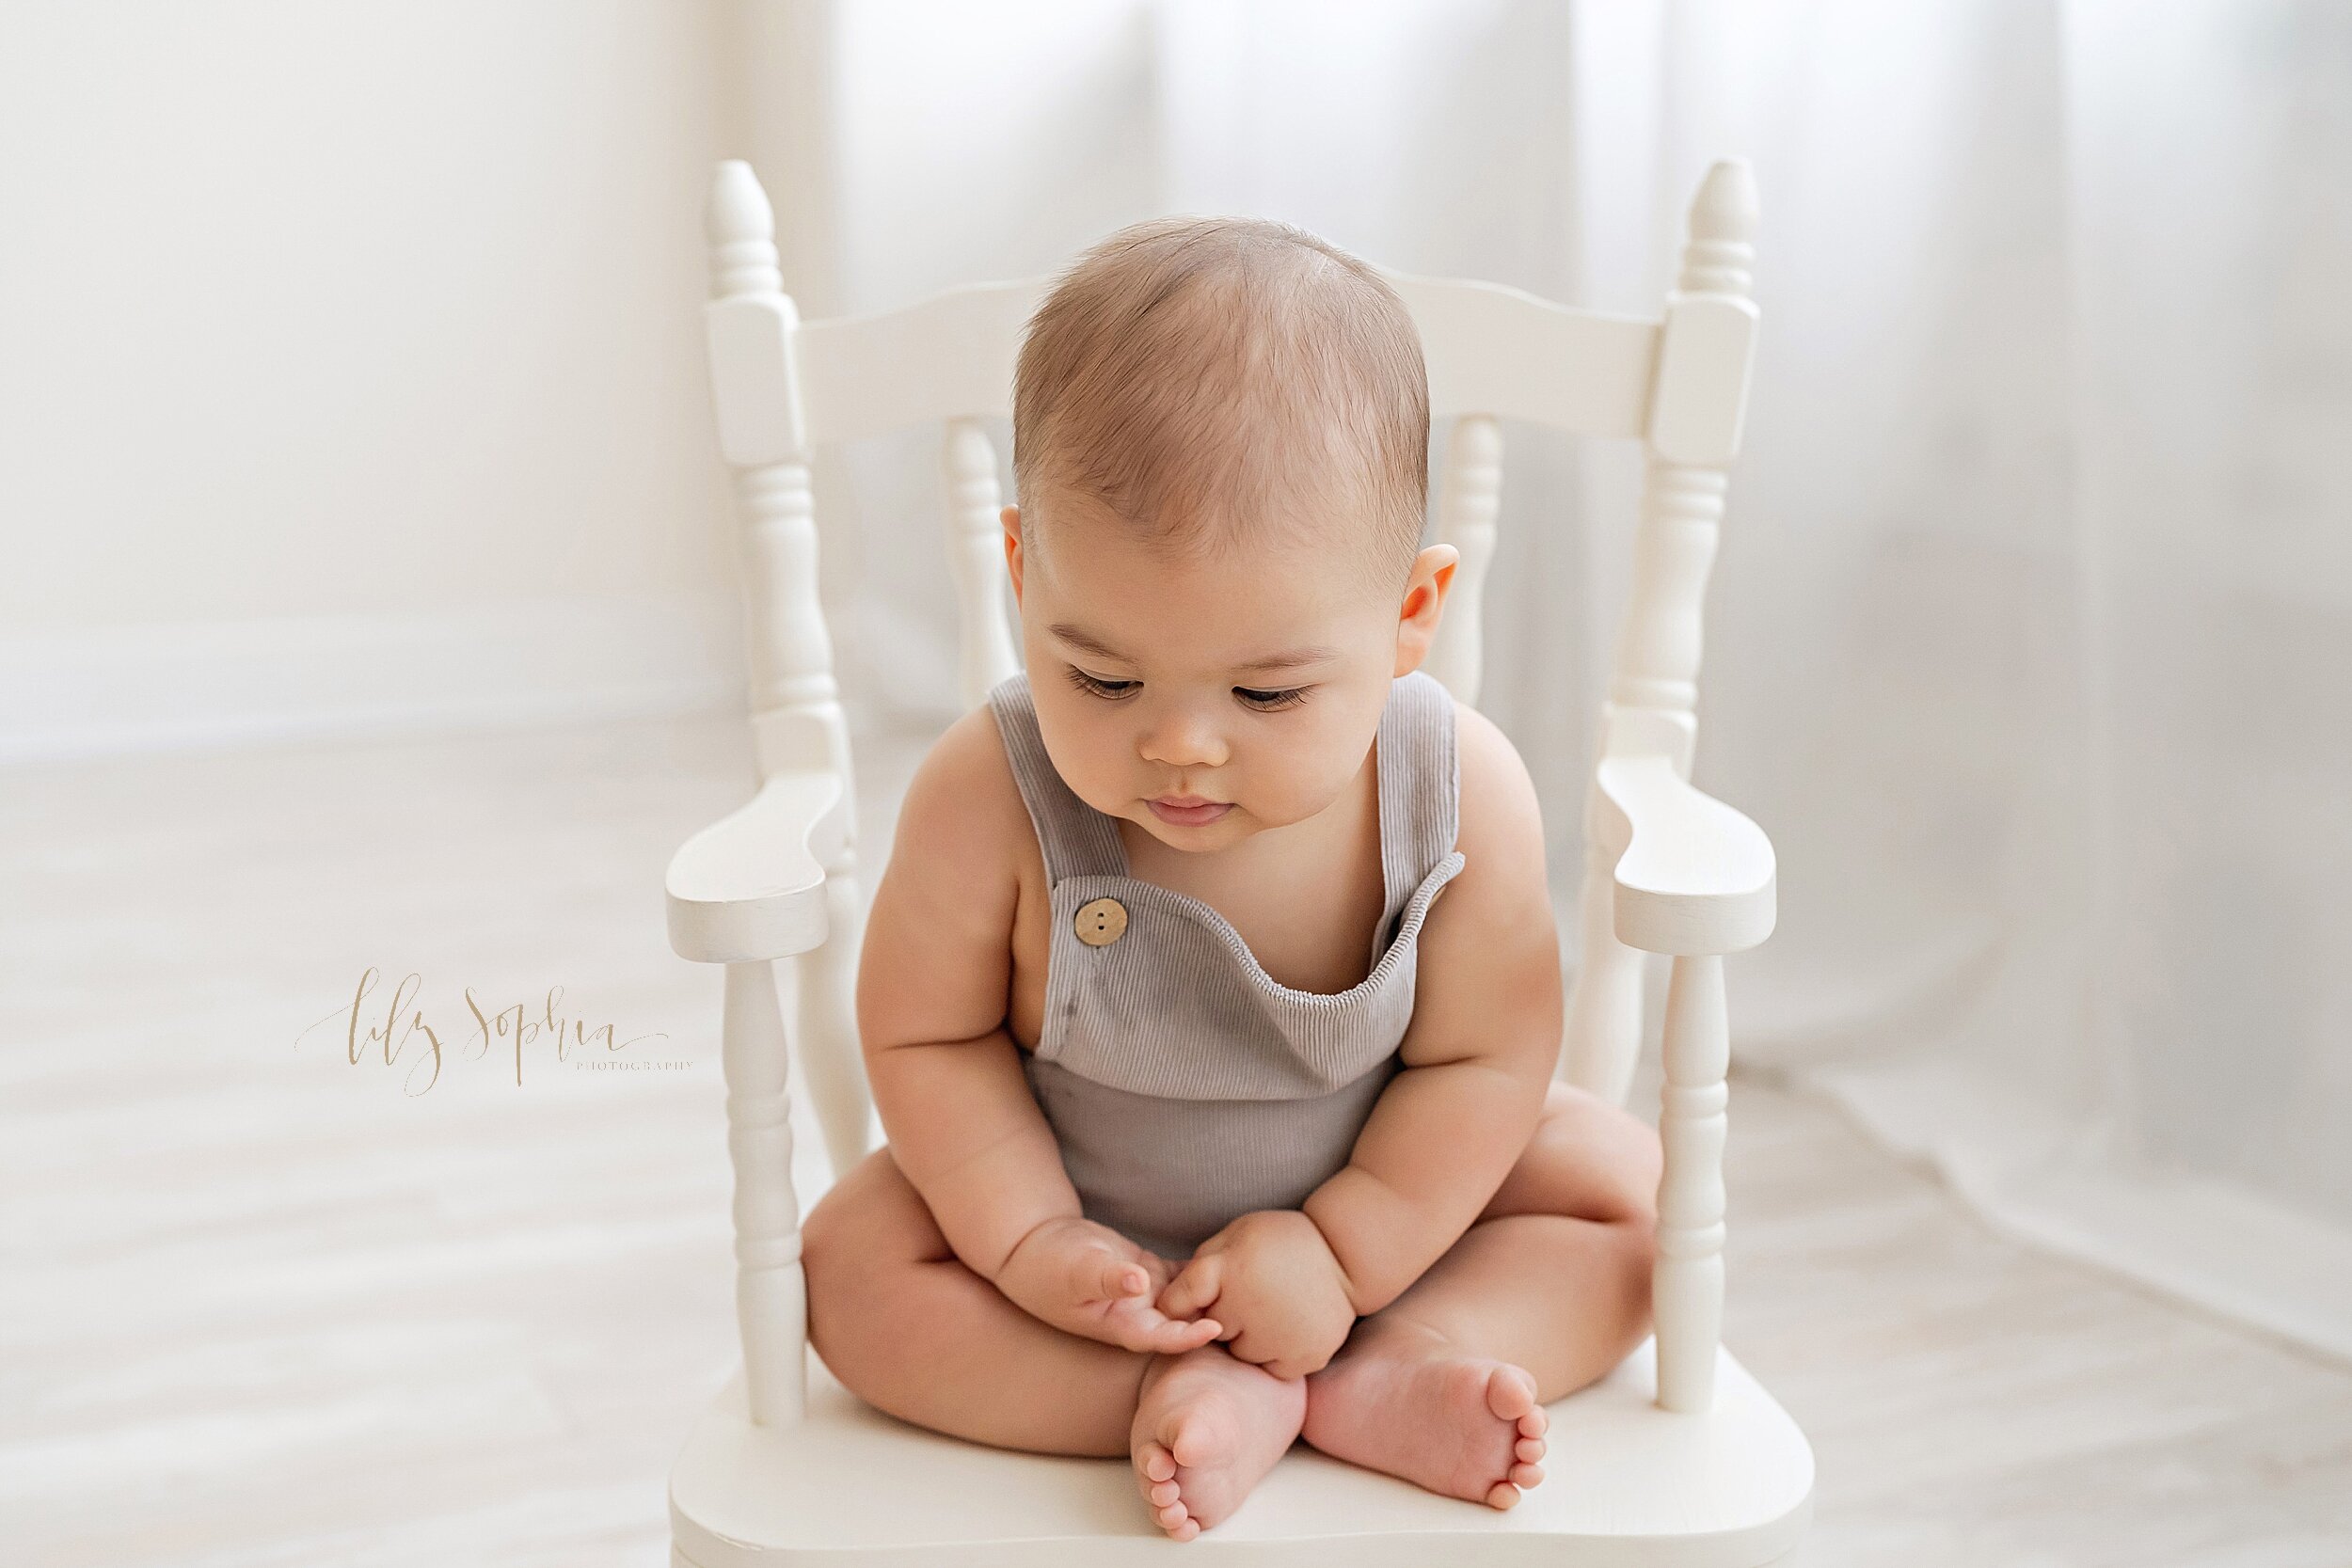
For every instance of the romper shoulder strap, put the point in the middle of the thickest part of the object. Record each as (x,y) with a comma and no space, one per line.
(1077,840)
(1421,783)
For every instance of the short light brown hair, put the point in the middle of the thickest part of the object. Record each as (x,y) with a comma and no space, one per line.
(1206,377)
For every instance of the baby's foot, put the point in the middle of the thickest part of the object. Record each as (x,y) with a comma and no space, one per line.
(1207,1429)
(1406,1403)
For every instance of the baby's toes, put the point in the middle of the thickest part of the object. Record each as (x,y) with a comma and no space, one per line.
(1511,1397)
(1530,1444)
(1155,1473)
(1156,1464)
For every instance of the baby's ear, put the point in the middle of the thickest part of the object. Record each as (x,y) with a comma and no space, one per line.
(1425,591)
(1011,518)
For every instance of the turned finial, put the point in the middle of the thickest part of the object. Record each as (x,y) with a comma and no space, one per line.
(1722,230)
(741,229)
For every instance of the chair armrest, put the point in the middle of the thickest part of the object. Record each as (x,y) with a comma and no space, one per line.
(752,886)
(1696,877)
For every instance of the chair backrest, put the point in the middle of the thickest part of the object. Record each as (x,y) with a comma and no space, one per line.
(1677,382)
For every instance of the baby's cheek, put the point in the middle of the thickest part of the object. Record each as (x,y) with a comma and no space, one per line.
(1296,786)
(1100,782)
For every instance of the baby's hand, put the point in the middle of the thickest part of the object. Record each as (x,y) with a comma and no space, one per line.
(1276,1288)
(1088,1279)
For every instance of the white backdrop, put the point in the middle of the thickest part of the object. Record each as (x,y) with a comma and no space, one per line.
(350,369)
(2032,640)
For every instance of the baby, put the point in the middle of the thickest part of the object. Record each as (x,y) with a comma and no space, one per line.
(1211,997)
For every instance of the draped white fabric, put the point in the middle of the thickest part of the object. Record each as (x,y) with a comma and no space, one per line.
(2031,638)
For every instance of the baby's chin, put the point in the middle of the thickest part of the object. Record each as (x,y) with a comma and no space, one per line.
(1223,831)
(1228,829)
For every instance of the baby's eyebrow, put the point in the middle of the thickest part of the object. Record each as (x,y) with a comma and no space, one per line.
(1078,639)
(1288,659)
(1292,659)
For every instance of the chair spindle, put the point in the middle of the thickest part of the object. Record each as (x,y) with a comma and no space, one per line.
(797,724)
(1694,434)
(975,549)
(771,1296)
(1468,501)
(1699,398)
(1687,1284)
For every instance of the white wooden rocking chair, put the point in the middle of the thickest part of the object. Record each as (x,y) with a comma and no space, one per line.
(1677,1457)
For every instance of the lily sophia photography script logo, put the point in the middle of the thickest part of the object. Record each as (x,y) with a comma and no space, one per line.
(390,1028)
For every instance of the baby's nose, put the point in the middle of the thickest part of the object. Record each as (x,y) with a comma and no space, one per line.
(1182,740)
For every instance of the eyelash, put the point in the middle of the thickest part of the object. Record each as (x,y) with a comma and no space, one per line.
(1255,698)
(1271,701)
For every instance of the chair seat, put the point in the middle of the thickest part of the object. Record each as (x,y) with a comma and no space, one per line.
(1627,1485)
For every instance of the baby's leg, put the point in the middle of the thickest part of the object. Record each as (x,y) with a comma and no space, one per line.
(1547,1291)
(905,1325)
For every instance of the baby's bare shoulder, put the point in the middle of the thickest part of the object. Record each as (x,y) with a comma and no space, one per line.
(1499,820)
(963,823)
(938,938)
(1488,985)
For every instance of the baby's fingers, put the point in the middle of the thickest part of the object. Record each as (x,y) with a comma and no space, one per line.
(1104,1277)
(1159,1270)
(1192,1290)
(1174,1338)
(1137,1326)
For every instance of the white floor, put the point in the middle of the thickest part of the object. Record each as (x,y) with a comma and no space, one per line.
(260,1304)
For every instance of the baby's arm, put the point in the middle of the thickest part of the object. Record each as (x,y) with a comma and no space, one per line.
(1477,1059)
(933,982)
(1479,1054)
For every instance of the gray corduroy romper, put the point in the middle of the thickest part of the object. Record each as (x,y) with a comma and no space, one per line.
(1187,1087)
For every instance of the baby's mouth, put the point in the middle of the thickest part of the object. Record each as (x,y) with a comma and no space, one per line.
(1188,811)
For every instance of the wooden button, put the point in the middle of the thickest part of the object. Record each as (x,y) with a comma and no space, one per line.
(1102,922)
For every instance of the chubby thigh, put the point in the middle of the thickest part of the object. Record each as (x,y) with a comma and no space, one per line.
(1554,1274)
(1586,1160)
(905,1325)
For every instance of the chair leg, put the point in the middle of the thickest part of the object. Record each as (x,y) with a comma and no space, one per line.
(771,1297)
(1687,1284)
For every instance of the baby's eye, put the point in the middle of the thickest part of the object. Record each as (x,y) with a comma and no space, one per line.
(1272,701)
(1095,686)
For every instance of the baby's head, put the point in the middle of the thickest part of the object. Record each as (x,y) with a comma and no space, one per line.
(1220,438)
